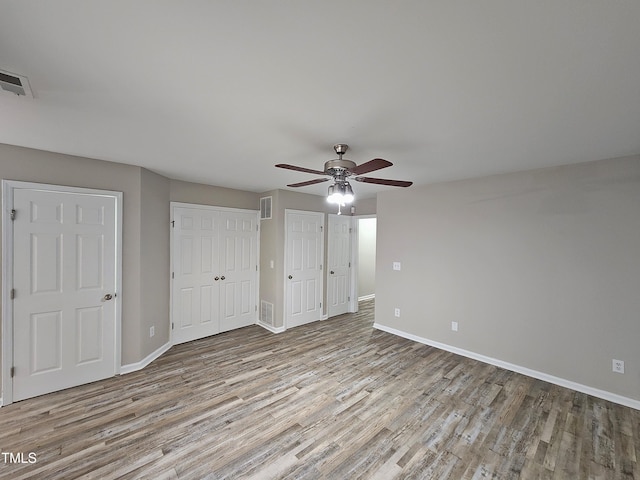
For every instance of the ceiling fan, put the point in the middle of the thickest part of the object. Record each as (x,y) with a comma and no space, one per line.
(340,170)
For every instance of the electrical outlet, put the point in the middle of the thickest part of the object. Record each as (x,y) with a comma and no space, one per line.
(152,331)
(618,366)
(454,326)
(396,265)
(397,312)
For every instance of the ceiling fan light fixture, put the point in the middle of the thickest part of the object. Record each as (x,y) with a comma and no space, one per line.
(340,193)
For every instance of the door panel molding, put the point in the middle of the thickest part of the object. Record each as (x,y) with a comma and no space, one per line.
(83,216)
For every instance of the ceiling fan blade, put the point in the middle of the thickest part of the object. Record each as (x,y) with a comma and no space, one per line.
(384,181)
(310,182)
(299,169)
(370,166)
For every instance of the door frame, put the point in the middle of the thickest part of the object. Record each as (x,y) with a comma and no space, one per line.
(172,206)
(8,189)
(287,259)
(356,255)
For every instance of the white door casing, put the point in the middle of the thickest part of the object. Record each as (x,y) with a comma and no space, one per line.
(339,264)
(63,325)
(214,262)
(304,241)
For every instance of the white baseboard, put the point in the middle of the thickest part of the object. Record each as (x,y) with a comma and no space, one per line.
(134,367)
(270,328)
(612,397)
(367,297)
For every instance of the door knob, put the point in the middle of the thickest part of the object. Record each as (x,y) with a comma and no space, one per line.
(217,278)
(222,277)
(108,296)
(332,272)
(290,277)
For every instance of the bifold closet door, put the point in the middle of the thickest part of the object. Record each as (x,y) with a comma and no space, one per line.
(214,271)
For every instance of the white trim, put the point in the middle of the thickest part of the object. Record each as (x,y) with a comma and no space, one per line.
(269,327)
(134,367)
(8,188)
(353,271)
(356,260)
(612,397)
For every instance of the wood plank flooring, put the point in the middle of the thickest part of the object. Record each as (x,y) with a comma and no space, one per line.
(335,399)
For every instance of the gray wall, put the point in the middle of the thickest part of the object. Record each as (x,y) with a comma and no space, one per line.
(198,193)
(146,234)
(154,261)
(366,256)
(540,269)
(272,245)
(24,164)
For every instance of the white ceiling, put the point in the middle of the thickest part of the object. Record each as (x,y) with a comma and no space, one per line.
(218,92)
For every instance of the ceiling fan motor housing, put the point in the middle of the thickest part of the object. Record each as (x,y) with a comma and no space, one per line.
(339,168)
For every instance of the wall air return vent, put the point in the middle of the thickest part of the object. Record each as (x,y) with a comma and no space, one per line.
(10,82)
(266,312)
(265,208)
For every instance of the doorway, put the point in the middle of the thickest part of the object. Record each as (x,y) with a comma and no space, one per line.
(61,280)
(304,251)
(339,253)
(366,257)
(214,258)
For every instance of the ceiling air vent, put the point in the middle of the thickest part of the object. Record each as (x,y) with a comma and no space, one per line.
(10,82)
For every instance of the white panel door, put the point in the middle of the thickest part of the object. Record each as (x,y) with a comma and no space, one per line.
(304,243)
(339,265)
(64,312)
(215,277)
(196,284)
(238,269)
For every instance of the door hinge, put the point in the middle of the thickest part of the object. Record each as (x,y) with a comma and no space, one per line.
(320,266)
(348,299)
(12,294)
(320,304)
(13,372)
(256,268)
(321,228)
(349,264)
(173,274)
(13,214)
(350,230)
(171,325)
(173,223)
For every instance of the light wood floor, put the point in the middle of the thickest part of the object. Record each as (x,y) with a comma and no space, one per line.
(335,399)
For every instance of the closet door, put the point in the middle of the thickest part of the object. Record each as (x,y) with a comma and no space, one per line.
(238,267)
(214,258)
(196,274)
